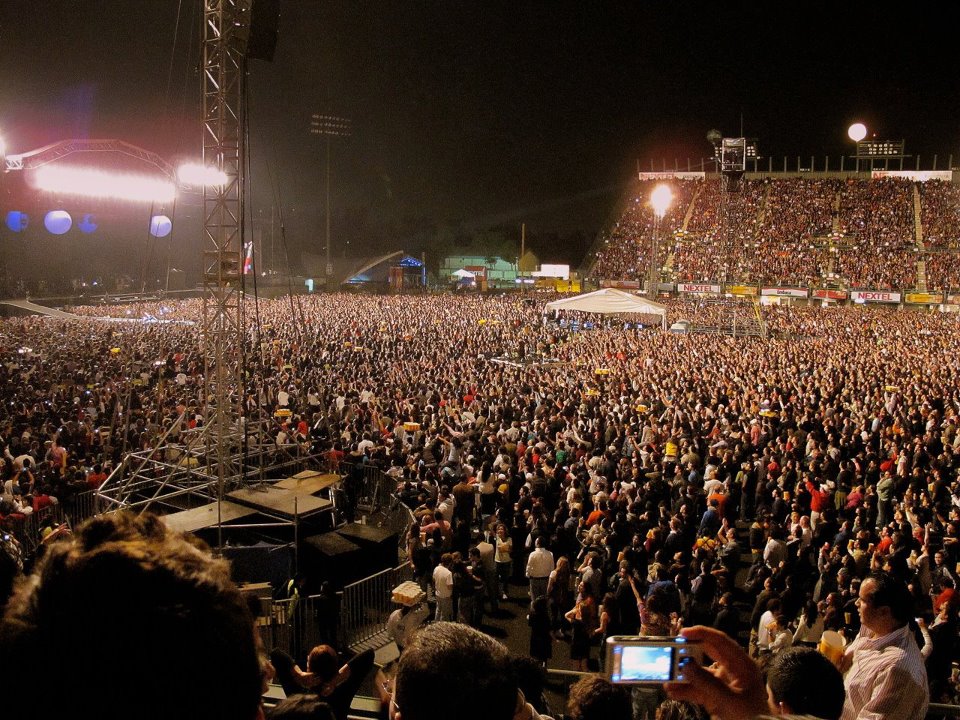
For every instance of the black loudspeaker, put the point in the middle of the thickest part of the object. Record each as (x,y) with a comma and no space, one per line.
(331,557)
(380,544)
(264,24)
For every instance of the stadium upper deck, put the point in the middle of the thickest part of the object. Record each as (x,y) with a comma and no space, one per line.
(881,234)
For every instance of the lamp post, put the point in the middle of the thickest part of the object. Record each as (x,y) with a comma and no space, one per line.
(329,126)
(660,200)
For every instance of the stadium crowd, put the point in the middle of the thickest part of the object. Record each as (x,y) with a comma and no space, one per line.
(639,482)
(793,231)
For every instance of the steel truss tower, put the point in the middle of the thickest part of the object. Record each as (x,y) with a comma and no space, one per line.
(226,25)
(226,450)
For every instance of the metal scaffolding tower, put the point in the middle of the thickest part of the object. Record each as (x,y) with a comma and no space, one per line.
(225,451)
(226,25)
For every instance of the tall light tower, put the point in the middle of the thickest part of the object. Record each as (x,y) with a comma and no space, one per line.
(329,126)
(660,200)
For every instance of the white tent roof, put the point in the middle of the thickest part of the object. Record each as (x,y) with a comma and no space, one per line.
(610,301)
(464,273)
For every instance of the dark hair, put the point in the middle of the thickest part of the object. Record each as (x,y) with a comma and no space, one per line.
(323,661)
(890,592)
(807,683)
(680,710)
(449,665)
(176,615)
(596,698)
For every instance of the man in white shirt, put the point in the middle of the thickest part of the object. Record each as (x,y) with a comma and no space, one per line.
(539,566)
(443,589)
(885,674)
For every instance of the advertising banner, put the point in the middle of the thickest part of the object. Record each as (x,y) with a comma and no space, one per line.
(878,296)
(703,288)
(674,175)
(924,298)
(741,290)
(621,284)
(824,294)
(784,292)
(915,175)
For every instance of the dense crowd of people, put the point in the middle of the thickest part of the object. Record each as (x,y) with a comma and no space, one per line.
(640,482)
(792,231)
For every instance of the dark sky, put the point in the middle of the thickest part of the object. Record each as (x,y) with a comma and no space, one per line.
(472,114)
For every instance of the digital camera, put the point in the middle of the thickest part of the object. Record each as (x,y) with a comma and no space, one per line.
(638,660)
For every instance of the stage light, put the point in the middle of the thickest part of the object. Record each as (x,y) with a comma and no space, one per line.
(17,220)
(857,132)
(87,224)
(200,175)
(660,199)
(57,222)
(160,226)
(98,183)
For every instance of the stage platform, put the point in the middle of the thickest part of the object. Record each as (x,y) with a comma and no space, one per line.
(276,500)
(205,516)
(309,482)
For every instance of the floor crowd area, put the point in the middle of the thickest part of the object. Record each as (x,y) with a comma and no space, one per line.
(790,491)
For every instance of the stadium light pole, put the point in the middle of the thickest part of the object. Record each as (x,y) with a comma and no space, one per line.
(660,200)
(329,126)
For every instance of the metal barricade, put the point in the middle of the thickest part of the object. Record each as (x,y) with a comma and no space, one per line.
(366,605)
(82,506)
(26,528)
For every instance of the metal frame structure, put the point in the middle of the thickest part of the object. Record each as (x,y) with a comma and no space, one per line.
(225,450)
(224,64)
(59,150)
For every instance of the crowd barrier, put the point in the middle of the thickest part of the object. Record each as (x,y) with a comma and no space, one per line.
(26,528)
(362,607)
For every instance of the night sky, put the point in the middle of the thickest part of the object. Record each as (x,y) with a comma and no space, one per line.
(472,117)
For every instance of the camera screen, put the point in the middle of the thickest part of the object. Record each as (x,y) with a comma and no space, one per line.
(642,663)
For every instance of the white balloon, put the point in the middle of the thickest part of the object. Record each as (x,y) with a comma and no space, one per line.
(857,132)
(160,226)
(57,222)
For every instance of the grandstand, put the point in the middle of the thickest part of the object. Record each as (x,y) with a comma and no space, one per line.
(818,231)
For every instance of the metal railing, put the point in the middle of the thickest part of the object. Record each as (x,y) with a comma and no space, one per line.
(366,605)
(26,528)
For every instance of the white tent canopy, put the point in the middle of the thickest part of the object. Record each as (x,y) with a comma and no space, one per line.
(464,273)
(610,301)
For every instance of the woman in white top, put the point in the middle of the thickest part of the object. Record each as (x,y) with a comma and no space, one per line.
(503,546)
(810,626)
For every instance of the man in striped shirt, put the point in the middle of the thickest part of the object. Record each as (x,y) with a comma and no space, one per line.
(885,675)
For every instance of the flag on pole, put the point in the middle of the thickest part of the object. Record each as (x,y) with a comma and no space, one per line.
(248,260)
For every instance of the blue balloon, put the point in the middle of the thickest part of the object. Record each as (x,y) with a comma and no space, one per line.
(88,224)
(17,220)
(57,222)
(160,226)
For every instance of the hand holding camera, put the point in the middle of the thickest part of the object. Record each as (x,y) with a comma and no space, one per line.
(730,689)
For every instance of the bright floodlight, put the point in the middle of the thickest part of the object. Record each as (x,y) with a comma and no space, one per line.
(200,175)
(857,132)
(660,198)
(98,183)
(3,148)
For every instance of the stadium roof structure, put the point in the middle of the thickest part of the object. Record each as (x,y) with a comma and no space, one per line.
(610,301)
(377,269)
